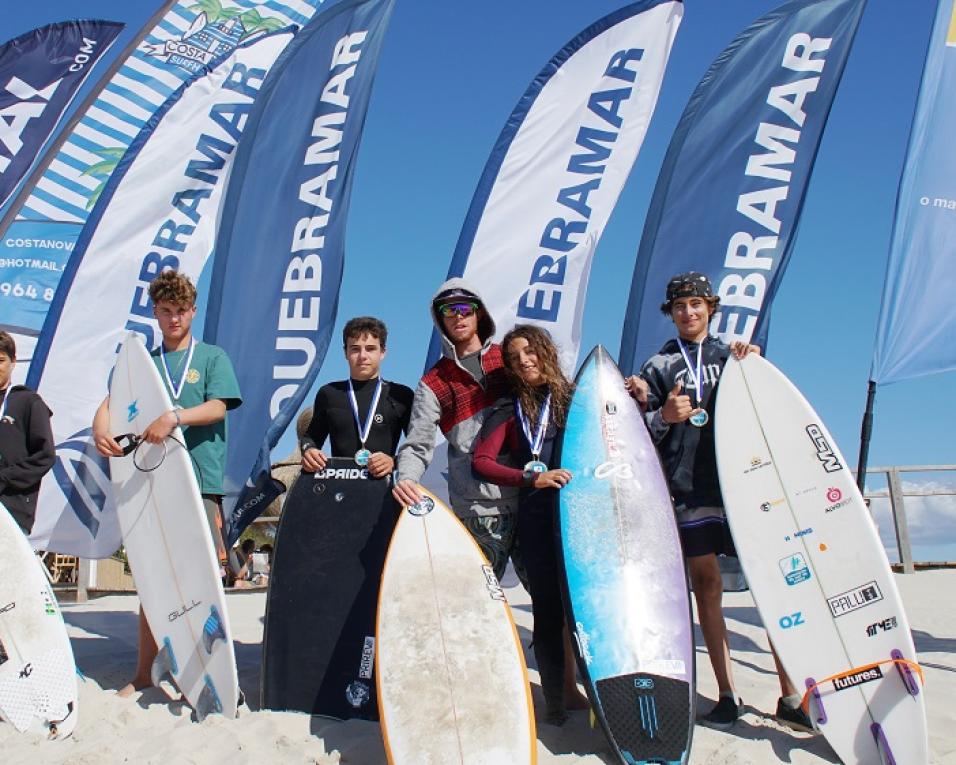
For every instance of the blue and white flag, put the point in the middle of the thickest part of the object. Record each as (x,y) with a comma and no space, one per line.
(281,247)
(160,209)
(40,72)
(557,170)
(732,184)
(917,321)
(180,40)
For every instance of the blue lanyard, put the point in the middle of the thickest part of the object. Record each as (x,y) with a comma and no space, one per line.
(366,427)
(544,416)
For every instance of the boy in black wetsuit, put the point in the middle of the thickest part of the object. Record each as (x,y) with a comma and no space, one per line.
(363,417)
(26,441)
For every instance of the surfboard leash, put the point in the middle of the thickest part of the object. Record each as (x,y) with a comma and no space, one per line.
(133,442)
(906,668)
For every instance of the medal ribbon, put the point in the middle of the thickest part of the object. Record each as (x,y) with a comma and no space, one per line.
(544,416)
(177,389)
(364,429)
(695,377)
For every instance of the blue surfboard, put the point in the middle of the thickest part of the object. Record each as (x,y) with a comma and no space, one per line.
(625,583)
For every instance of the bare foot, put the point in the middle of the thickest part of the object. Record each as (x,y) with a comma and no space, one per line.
(137,684)
(574,699)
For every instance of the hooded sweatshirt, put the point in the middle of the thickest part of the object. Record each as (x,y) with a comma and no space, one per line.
(687,452)
(453,399)
(26,452)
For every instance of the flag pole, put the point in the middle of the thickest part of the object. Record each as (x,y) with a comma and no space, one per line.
(865,432)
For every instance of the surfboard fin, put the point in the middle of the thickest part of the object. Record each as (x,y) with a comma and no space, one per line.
(906,674)
(882,744)
(818,714)
(54,726)
(212,630)
(164,663)
(208,701)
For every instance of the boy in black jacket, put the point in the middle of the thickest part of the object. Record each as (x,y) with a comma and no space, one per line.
(26,441)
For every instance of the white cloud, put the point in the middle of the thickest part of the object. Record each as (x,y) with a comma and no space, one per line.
(931,520)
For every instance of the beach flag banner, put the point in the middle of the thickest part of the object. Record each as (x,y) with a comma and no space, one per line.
(43,221)
(159,209)
(557,170)
(40,72)
(281,246)
(917,321)
(732,184)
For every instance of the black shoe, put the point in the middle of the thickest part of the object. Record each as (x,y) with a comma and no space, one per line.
(794,718)
(724,714)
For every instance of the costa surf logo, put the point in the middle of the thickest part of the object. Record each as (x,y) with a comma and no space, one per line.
(857,678)
(835,497)
(214,33)
(855,599)
(825,452)
(83,476)
(794,569)
(368,658)
(889,623)
(491,582)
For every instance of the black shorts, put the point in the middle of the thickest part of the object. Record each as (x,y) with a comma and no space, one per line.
(704,531)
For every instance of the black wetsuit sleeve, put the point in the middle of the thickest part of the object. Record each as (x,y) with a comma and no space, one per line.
(404,396)
(318,430)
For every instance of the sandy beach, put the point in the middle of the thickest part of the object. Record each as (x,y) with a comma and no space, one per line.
(153,727)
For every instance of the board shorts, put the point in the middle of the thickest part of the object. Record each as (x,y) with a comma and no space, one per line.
(704,531)
(212,504)
(497,536)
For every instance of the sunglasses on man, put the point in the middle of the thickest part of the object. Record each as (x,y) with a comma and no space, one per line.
(463,310)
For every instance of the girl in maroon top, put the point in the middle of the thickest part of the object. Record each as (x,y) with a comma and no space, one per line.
(515,449)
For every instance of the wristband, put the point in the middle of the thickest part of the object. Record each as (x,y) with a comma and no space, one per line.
(179,422)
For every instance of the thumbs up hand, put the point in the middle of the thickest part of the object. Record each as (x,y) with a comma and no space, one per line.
(677,407)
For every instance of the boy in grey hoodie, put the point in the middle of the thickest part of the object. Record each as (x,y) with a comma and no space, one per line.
(456,395)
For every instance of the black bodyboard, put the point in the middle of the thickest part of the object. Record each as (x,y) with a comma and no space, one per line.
(318,646)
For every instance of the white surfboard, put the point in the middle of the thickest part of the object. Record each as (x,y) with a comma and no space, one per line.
(452,682)
(37,669)
(816,567)
(167,542)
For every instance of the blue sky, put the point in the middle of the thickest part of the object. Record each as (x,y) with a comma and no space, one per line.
(451,73)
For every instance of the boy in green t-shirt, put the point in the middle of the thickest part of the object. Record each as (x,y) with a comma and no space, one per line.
(202,385)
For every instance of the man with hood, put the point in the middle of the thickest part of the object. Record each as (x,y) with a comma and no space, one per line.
(456,395)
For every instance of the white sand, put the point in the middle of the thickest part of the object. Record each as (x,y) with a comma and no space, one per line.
(152,728)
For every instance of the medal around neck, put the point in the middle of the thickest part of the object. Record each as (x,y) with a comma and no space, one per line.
(699,419)
(362,455)
(536,439)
